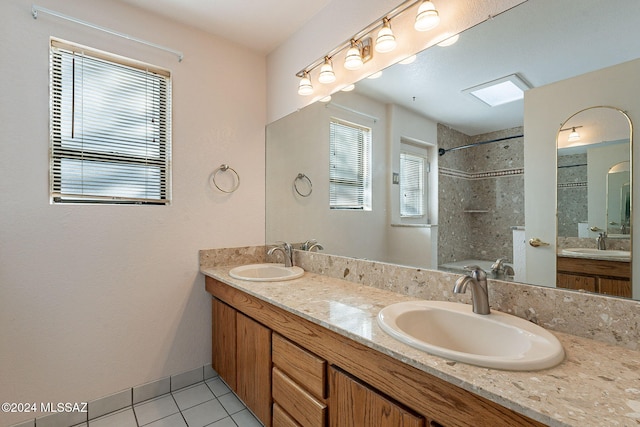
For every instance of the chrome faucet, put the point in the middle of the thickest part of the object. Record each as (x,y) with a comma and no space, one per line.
(287,252)
(601,241)
(500,268)
(479,290)
(311,244)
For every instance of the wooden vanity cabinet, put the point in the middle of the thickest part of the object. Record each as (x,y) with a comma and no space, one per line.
(321,378)
(354,404)
(298,383)
(594,275)
(241,353)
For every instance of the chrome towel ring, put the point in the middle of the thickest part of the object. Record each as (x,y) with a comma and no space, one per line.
(225,168)
(302,178)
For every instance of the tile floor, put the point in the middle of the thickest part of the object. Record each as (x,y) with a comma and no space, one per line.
(209,403)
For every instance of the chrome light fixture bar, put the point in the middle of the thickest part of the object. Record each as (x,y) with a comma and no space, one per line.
(360,46)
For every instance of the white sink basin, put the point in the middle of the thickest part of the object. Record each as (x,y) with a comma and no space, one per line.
(598,253)
(451,330)
(269,272)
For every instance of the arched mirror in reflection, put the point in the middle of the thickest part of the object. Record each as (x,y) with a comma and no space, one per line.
(594,208)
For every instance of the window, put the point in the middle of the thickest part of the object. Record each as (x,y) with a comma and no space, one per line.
(110,129)
(412,184)
(350,169)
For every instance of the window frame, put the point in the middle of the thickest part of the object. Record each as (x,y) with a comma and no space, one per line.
(362,180)
(418,151)
(141,163)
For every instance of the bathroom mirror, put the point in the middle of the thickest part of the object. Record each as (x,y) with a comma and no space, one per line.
(619,200)
(475,195)
(594,206)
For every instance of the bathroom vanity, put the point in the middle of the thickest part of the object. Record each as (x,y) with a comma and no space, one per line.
(310,352)
(610,277)
(290,371)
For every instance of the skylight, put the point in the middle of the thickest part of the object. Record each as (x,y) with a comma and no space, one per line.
(501,91)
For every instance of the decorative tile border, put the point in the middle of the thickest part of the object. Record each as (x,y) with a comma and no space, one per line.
(479,175)
(572,184)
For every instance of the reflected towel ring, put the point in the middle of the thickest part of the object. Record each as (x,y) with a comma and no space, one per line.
(302,177)
(224,168)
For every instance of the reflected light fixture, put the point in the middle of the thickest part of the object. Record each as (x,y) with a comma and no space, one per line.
(305,87)
(449,41)
(427,16)
(326,72)
(386,41)
(353,59)
(574,135)
(408,60)
(326,98)
(348,88)
(376,75)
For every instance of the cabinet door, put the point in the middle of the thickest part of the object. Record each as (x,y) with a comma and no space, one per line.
(574,281)
(224,342)
(254,366)
(353,404)
(616,287)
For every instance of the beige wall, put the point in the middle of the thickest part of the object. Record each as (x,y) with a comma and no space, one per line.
(94,299)
(546,108)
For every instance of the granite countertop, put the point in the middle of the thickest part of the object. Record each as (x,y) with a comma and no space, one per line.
(596,385)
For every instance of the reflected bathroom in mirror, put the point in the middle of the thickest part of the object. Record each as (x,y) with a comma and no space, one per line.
(474,197)
(594,201)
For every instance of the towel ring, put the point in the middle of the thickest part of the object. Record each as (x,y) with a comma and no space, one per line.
(224,168)
(302,177)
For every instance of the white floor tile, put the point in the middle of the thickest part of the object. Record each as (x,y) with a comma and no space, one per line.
(225,422)
(174,420)
(231,403)
(192,396)
(124,418)
(218,387)
(204,414)
(153,410)
(246,419)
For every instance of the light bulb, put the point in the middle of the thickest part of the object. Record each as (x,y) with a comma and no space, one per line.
(348,88)
(353,59)
(305,87)
(427,17)
(449,41)
(326,72)
(408,60)
(386,41)
(573,136)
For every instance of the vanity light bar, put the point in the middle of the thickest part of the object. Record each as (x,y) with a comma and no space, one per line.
(364,44)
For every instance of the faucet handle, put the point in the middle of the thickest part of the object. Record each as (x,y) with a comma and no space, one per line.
(476,272)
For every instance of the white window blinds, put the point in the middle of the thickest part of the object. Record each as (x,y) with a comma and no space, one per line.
(350,166)
(110,129)
(412,185)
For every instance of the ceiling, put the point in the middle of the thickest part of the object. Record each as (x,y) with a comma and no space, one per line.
(543,41)
(259,24)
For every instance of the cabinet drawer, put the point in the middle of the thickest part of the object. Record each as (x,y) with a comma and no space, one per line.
(281,418)
(300,365)
(297,402)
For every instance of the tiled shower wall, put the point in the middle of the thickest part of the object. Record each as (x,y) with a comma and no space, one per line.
(481,195)
(572,193)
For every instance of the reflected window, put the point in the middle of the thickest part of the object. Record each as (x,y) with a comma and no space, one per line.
(412,185)
(110,128)
(350,166)
(413,180)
